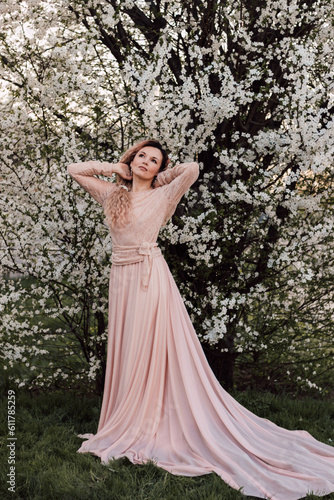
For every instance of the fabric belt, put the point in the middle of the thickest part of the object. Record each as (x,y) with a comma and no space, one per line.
(123,255)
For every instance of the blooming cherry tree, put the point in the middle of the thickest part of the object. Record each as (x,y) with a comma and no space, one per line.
(245,88)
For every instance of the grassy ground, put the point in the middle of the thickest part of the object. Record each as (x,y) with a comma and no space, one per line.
(48,467)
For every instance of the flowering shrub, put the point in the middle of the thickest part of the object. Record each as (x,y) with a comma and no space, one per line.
(244,88)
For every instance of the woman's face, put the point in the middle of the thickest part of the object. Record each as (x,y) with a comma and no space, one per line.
(147,162)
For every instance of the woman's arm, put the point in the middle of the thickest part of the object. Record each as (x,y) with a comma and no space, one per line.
(175,182)
(178,180)
(83,174)
(185,173)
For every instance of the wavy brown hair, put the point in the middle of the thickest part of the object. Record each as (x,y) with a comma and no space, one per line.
(118,204)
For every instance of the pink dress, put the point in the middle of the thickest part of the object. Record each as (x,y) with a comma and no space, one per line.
(161,400)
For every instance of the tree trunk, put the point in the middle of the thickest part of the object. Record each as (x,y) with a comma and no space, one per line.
(222,365)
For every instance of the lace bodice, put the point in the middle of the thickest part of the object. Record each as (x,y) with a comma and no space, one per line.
(150,209)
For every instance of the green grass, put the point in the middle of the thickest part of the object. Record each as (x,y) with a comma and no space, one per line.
(49,467)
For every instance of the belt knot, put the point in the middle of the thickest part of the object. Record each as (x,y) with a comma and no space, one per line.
(144,253)
(145,248)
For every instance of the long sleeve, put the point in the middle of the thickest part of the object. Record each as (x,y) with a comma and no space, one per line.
(175,182)
(83,174)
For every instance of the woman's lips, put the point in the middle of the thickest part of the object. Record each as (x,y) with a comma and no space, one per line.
(142,168)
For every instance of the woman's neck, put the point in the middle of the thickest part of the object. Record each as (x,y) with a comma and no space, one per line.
(140,185)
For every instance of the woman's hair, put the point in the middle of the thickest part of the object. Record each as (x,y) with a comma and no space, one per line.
(117,204)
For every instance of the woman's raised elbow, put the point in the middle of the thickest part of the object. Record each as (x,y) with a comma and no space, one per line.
(195,168)
(71,169)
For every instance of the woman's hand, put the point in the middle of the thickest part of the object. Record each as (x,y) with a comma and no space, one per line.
(123,170)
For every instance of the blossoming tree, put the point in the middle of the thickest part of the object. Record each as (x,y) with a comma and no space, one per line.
(243,87)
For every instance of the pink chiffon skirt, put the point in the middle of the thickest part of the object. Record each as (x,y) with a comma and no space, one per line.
(162,402)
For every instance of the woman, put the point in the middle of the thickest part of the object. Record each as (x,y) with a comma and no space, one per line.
(161,400)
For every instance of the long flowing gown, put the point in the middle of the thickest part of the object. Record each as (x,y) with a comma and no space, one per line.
(161,399)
